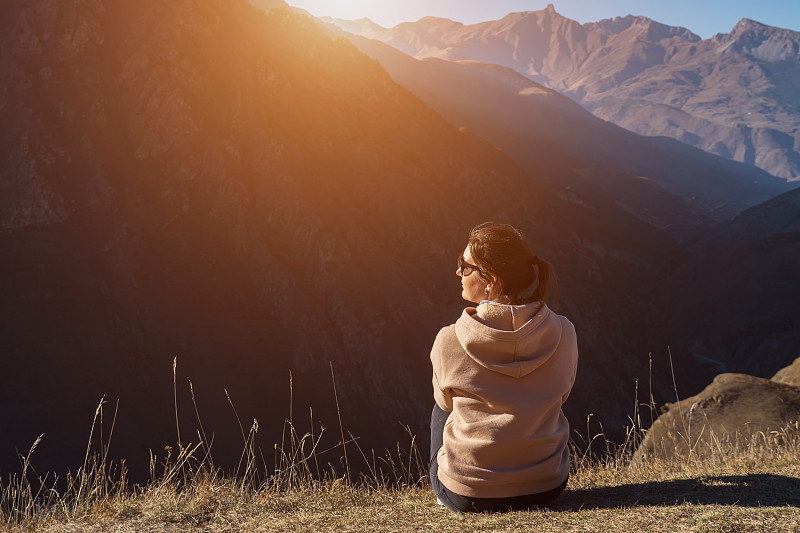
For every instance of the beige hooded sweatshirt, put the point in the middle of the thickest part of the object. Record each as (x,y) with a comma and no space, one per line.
(503,371)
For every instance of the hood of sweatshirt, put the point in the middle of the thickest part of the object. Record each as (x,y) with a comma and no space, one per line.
(513,340)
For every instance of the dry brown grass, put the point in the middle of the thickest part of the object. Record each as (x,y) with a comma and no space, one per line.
(748,489)
(746,494)
(752,487)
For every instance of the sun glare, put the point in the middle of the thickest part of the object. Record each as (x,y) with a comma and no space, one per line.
(380,12)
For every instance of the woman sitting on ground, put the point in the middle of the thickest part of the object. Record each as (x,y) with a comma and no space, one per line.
(500,374)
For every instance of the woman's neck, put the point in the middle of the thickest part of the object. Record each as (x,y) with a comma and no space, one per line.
(505,316)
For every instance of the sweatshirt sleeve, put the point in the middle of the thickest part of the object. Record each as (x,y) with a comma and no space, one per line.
(572,343)
(441,393)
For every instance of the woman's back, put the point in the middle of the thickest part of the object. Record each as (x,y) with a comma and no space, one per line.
(506,435)
(500,374)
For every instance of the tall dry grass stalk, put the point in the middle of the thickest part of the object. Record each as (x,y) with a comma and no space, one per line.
(187,472)
(298,465)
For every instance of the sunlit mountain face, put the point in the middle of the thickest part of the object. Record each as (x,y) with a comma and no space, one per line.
(733,95)
(248,193)
(660,181)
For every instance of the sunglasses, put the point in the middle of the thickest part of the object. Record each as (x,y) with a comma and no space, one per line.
(466,268)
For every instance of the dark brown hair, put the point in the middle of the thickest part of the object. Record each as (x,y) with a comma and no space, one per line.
(501,252)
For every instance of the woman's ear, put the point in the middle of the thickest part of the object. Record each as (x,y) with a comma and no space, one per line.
(490,284)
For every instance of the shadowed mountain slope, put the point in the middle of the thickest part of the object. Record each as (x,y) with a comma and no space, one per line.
(734,95)
(663,183)
(736,306)
(735,300)
(251,195)
(778,215)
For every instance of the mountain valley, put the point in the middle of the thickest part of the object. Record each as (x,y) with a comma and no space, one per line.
(233,187)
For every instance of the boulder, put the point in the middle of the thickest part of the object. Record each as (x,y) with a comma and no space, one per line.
(789,375)
(731,411)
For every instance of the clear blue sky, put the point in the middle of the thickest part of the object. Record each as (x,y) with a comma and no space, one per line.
(703,17)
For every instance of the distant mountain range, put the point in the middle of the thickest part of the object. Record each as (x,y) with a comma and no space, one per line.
(660,181)
(735,95)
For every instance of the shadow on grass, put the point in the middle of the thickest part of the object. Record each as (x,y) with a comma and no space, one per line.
(745,491)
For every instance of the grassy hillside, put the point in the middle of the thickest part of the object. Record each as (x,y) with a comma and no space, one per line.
(745,495)
(752,487)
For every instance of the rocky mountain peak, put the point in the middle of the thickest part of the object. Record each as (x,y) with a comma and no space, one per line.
(524,21)
(437,24)
(434,21)
(365,21)
(547,14)
(645,27)
(611,26)
(748,25)
(362,26)
(762,42)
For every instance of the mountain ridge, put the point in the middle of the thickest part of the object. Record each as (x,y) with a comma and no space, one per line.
(497,103)
(730,95)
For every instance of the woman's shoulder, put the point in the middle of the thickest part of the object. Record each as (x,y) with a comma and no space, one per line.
(566,323)
(443,343)
(568,337)
(446,333)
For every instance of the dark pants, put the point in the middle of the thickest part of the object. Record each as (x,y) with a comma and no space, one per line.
(456,502)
